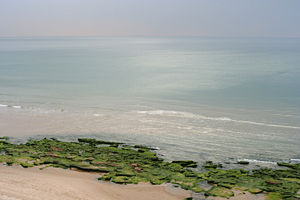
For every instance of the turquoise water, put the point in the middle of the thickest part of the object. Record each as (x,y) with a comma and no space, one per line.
(198,98)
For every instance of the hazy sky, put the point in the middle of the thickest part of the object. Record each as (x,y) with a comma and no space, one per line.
(150,18)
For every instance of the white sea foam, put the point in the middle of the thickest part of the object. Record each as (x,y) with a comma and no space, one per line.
(98,115)
(160,112)
(295,160)
(195,116)
(187,127)
(265,124)
(5,106)
(258,161)
(223,119)
(170,113)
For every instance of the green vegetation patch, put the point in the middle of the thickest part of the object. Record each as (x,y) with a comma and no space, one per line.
(220,191)
(4,138)
(243,162)
(124,164)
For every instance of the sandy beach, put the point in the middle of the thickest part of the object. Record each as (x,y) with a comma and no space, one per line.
(17,183)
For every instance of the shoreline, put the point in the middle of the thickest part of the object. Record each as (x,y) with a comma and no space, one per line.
(136,168)
(18,183)
(170,130)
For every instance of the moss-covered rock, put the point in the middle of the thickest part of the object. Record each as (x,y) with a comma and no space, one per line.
(254,190)
(97,142)
(220,191)
(186,163)
(4,138)
(210,165)
(242,162)
(26,164)
(274,196)
(125,164)
(289,165)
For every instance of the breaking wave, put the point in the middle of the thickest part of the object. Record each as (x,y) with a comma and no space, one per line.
(172,113)
(10,106)
(259,161)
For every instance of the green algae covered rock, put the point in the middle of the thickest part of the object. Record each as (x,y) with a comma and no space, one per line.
(254,190)
(90,168)
(220,192)
(3,142)
(186,163)
(289,165)
(242,162)
(143,148)
(26,164)
(97,142)
(274,196)
(210,165)
(4,138)
(125,164)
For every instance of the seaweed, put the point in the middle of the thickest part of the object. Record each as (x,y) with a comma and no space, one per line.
(4,138)
(124,164)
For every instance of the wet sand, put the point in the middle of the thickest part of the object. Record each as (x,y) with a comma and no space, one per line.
(17,183)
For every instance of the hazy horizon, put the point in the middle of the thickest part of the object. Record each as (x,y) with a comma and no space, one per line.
(99,18)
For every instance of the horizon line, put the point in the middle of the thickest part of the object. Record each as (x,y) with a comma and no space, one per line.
(144,36)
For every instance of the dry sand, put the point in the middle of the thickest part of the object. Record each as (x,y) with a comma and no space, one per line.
(17,183)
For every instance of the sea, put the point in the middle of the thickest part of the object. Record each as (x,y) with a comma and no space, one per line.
(199,98)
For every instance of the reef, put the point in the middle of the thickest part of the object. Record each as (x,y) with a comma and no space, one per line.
(125,164)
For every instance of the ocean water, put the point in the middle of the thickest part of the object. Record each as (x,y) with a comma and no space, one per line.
(221,99)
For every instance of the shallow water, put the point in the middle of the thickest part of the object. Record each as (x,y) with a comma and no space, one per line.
(218,99)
